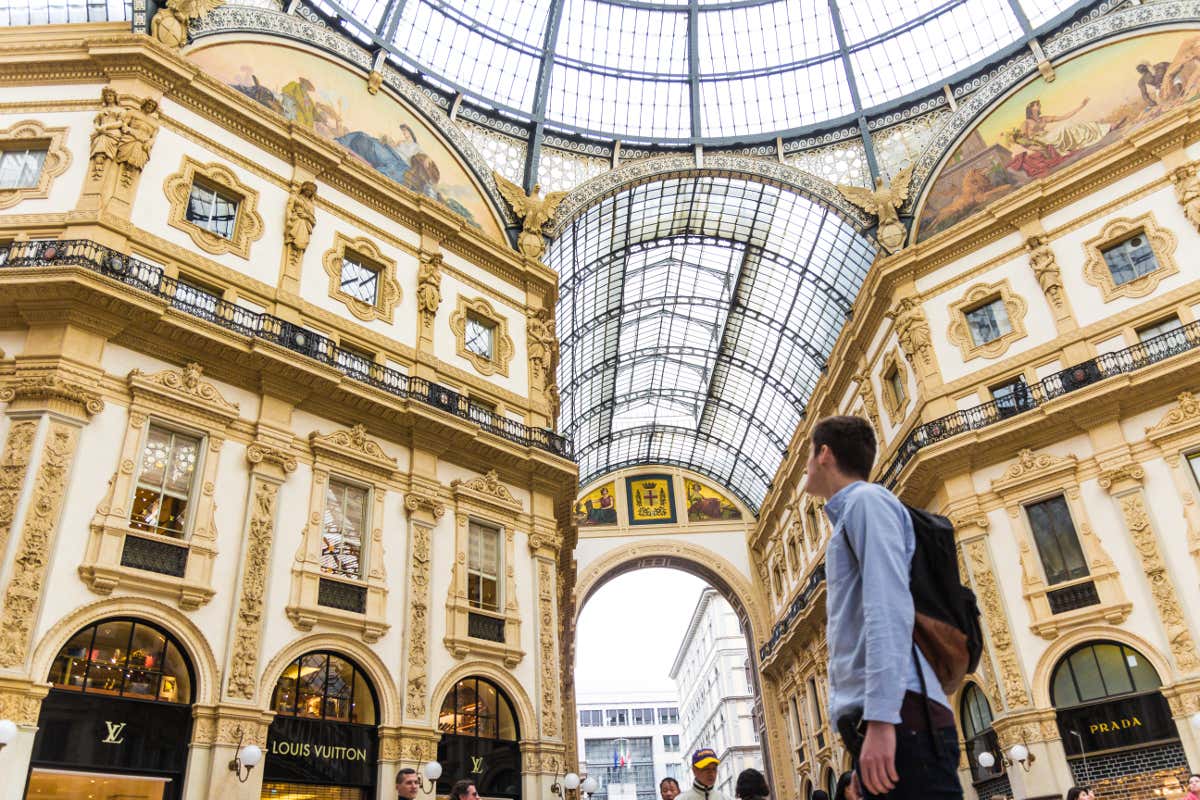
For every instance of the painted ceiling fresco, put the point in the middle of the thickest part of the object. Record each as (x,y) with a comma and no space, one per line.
(1094,100)
(334,102)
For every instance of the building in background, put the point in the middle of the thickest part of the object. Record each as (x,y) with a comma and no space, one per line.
(629,742)
(712,671)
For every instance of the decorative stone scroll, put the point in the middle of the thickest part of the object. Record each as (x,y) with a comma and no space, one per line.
(247,638)
(13,467)
(912,330)
(549,670)
(417,685)
(1011,680)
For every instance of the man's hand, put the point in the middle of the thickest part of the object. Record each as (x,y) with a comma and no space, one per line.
(877,762)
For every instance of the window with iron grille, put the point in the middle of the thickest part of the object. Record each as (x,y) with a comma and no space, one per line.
(988,322)
(165,482)
(212,209)
(1056,540)
(895,384)
(483,567)
(21,167)
(1130,259)
(480,336)
(342,533)
(359,279)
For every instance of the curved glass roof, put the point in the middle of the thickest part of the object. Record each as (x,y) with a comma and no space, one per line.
(695,315)
(679,71)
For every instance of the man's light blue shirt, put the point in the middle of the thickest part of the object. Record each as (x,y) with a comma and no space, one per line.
(869,606)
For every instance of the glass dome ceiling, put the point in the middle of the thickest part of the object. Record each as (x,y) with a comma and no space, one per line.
(684,71)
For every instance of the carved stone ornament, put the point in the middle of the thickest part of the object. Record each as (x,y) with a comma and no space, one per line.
(1045,266)
(549,671)
(31,134)
(882,203)
(415,501)
(51,389)
(1187,191)
(32,555)
(374,81)
(248,224)
(978,295)
(1030,466)
(1186,413)
(429,287)
(259,453)
(543,345)
(170,25)
(1162,243)
(912,330)
(184,386)
(300,217)
(243,668)
(139,128)
(534,211)
(418,623)
(488,485)
(106,131)
(14,465)
(1000,637)
(866,393)
(354,445)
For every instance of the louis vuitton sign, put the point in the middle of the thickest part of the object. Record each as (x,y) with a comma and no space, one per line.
(316,751)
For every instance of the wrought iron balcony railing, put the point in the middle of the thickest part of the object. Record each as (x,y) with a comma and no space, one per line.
(150,279)
(1027,398)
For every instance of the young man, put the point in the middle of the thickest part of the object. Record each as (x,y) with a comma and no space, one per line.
(668,789)
(910,749)
(407,784)
(704,777)
(463,790)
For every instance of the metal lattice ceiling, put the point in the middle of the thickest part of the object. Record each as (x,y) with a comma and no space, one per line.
(695,315)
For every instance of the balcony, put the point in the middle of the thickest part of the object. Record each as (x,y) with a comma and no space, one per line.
(302,341)
(1071,379)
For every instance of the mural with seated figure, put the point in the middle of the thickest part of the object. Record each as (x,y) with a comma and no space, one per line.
(333,101)
(1095,99)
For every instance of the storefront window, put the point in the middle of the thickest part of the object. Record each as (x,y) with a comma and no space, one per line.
(1098,671)
(975,714)
(324,686)
(475,707)
(123,658)
(479,738)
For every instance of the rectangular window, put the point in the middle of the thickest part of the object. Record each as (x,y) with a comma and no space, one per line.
(483,567)
(643,716)
(1160,328)
(480,336)
(668,716)
(671,742)
(1056,540)
(895,385)
(20,168)
(1012,396)
(359,280)
(345,522)
(164,484)
(617,716)
(1130,259)
(591,718)
(212,210)
(1194,460)
(988,322)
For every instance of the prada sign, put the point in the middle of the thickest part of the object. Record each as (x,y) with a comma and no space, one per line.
(85,730)
(1115,724)
(315,751)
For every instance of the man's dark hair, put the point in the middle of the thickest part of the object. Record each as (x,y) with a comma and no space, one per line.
(460,789)
(820,794)
(843,784)
(1075,791)
(852,442)
(665,781)
(751,785)
(404,771)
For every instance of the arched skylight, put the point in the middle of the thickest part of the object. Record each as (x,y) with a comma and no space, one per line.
(695,315)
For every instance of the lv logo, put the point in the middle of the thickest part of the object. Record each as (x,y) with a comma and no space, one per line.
(476,765)
(115,731)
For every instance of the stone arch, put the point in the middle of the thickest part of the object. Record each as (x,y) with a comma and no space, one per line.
(649,170)
(364,657)
(1060,647)
(671,553)
(179,625)
(522,705)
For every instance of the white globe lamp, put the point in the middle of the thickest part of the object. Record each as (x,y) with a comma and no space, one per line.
(986,760)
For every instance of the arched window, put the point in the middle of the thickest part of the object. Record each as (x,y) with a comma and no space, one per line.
(477,707)
(324,685)
(1100,670)
(125,658)
(976,715)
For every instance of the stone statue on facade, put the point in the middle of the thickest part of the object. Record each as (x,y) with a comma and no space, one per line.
(543,344)
(106,130)
(138,130)
(912,329)
(429,287)
(534,210)
(882,203)
(301,217)
(1187,191)
(1045,267)
(170,25)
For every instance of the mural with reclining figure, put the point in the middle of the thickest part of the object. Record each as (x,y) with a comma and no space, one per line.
(1095,99)
(333,101)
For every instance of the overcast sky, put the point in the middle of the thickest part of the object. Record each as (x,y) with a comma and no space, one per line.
(630,630)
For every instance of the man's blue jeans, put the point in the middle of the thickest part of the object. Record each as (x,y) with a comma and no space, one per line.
(925,773)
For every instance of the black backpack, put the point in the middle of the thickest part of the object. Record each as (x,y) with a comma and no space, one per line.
(946,625)
(946,621)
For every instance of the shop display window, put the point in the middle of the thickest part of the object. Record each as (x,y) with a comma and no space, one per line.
(325,686)
(475,707)
(122,658)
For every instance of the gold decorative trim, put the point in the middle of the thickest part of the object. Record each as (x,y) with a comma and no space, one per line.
(387,292)
(547,627)
(31,133)
(352,448)
(896,407)
(53,393)
(488,489)
(247,228)
(416,685)
(979,295)
(1184,415)
(18,452)
(247,637)
(502,345)
(1162,242)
